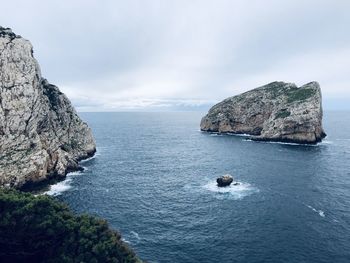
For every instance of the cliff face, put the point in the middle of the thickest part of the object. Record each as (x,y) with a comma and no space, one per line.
(275,112)
(41,135)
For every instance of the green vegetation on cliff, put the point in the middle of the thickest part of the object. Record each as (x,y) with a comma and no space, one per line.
(41,229)
(282,114)
(300,94)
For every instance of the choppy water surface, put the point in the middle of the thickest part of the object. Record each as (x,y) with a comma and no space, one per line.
(153,178)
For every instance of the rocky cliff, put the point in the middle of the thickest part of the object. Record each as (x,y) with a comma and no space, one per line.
(275,112)
(41,135)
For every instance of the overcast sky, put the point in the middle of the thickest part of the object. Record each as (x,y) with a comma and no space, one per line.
(184,55)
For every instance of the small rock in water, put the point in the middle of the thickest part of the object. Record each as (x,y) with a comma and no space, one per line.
(224,180)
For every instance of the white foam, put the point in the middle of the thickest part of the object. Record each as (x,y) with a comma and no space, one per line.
(215,134)
(233,191)
(238,134)
(320,212)
(284,143)
(132,237)
(136,235)
(228,134)
(326,142)
(126,241)
(100,150)
(88,159)
(60,187)
(97,153)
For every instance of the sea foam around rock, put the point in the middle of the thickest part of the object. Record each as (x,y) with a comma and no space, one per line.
(235,192)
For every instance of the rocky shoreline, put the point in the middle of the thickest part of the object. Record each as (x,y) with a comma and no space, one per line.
(39,187)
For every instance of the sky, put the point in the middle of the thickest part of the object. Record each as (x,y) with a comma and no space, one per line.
(166,55)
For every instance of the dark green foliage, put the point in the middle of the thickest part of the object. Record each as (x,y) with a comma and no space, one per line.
(282,114)
(41,229)
(300,94)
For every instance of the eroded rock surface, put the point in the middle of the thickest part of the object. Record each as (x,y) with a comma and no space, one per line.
(224,180)
(275,112)
(41,135)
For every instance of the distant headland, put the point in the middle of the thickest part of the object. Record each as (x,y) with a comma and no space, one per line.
(278,111)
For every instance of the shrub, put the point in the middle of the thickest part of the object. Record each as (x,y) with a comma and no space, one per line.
(41,229)
(300,94)
(282,114)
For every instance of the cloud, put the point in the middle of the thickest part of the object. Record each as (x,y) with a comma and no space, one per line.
(171,55)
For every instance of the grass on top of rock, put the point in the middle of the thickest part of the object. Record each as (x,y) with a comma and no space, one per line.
(41,229)
(282,114)
(299,94)
(275,89)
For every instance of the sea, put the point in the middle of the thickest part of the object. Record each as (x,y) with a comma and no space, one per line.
(154,179)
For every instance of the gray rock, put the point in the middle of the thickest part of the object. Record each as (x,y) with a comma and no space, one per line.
(224,180)
(41,135)
(278,111)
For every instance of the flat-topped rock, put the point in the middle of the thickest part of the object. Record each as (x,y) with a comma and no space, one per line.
(278,111)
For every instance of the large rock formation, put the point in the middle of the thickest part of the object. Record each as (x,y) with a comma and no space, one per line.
(41,135)
(275,112)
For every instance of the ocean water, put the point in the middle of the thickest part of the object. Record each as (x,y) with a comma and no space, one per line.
(153,178)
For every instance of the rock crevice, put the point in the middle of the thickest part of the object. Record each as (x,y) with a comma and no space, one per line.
(41,135)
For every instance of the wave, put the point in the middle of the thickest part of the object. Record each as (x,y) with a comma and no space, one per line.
(227,134)
(284,143)
(320,212)
(132,237)
(62,186)
(238,134)
(97,153)
(88,159)
(59,188)
(236,192)
(326,142)
(126,241)
(136,235)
